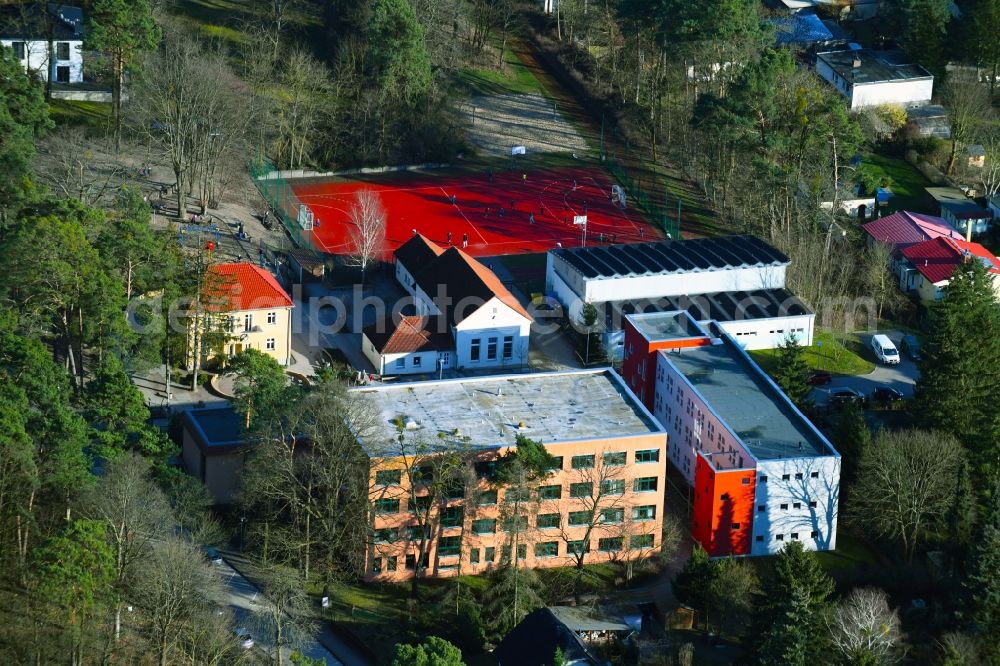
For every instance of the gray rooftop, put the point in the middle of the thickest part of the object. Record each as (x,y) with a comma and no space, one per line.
(659,326)
(554,407)
(874,67)
(739,393)
(217,427)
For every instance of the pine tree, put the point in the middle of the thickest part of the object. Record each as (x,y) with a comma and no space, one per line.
(692,584)
(852,437)
(957,388)
(791,627)
(792,371)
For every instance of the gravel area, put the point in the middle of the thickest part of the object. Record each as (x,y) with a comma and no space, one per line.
(494,123)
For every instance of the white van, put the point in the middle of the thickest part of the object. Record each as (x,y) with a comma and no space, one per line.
(884,350)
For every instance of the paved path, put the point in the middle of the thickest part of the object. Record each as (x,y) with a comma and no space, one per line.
(901,377)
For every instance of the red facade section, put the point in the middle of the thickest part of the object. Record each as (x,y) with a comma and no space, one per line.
(722,520)
(639,362)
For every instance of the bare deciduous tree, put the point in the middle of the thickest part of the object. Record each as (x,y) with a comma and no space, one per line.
(282,611)
(305,84)
(70,164)
(864,629)
(368,219)
(968,108)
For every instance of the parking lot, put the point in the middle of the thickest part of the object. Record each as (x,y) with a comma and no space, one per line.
(901,377)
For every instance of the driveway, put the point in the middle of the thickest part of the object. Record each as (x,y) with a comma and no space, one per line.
(901,377)
(242,599)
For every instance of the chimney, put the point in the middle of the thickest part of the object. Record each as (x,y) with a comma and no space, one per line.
(857,62)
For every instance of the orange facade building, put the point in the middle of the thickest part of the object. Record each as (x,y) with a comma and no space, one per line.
(605,495)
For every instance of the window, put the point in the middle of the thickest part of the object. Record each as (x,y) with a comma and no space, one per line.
(411,562)
(547,520)
(550,492)
(557,463)
(615,459)
(387,506)
(582,462)
(62,50)
(385,536)
(488,497)
(784,507)
(377,565)
(745,480)
(795,536)
(491,349)
(515,522)
(581,489)
(577,547)
(812,504)
(579,517)
(613,486)
(484,526)
(522,552)
(449,545)
(269,344)
(763,479)
(417,361)
(508,346)
(797,505)
(609,544)
(644,512)
(272,317)
(452,516)
(644,484)
(641,541)
(474,349)
(513,495)
(814,534)
(779,537)
(814,475)
(735,526)
(798,476)
(390,563)
(401,363)
(547,549)
(612,515)
(18,49)
(416,532)
(474,556)
(247,323)
(760,508)
(759,539)
(388,477)
(491,554)
(420,504)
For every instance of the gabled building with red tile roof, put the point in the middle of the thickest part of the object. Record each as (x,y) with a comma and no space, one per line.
(903,229)
(456,299)
(257,309)
(929,266)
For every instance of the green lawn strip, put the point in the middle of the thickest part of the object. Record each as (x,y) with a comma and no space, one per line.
(515,78)
(849,559)
(907,183)
(841,354)
(94,116)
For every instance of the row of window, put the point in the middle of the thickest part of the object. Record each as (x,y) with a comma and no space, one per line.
(794,536)
(444,358)
(583,489)
(20,50)
(475,348)
(788,477)
(544,549)
(272,318)
(454,517)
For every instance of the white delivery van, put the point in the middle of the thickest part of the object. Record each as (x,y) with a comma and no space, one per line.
(885,351)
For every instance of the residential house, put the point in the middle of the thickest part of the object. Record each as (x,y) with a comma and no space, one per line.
(609,453)
(213,449)
(928,120)
(464,317)
(255,309)
(929,266)
(960,211)
(856,10)
(802,29)
(761,474)
(27,29)
(571,630)
(902,229)
(871,78)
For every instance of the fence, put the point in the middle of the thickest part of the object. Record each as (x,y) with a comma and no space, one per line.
(280,197)
(630,176)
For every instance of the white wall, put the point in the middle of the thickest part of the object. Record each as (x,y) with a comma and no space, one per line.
(770,333)
(691,424)
(892,92)
(494,320)
(386,364)
(37,56)
(800,488)
(680,284)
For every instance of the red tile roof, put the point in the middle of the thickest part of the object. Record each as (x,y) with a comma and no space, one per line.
(417,252)
(411,334)
(245,286)
(938,258)
(904,228)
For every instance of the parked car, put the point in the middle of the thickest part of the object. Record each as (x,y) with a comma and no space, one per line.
(885,351)
(885,394)
(213,556)
(911,347)
(819,379)
(843,396)
(243,638)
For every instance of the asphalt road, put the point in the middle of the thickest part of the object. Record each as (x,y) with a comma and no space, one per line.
(901,377)
(242,599)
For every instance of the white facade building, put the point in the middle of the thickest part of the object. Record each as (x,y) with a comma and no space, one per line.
(869,78)
(25,29)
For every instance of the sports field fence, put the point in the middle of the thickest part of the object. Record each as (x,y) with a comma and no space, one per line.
(280,197)
(628,169)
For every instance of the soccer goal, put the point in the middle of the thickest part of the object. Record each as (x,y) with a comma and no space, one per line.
(618,196)
(305,217)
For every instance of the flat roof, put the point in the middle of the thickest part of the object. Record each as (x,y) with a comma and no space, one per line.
(740,394)
(722,306)
(217,426)
(660,326)
(875,67)
(488,411)
(671,256)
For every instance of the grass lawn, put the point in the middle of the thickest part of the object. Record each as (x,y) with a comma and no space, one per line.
(515,78)
(95,116)
(839,354)
(907,184)
(850,560)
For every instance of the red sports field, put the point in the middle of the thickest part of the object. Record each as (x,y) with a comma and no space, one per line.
(489,215)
